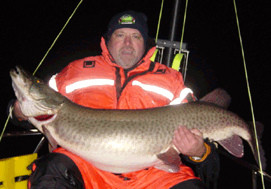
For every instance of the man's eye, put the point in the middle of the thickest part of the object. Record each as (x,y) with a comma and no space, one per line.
(137,37)
(119,35)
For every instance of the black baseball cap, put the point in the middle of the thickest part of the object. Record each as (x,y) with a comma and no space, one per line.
(129,19)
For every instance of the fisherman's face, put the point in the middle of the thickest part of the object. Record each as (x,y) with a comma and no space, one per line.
(126,46)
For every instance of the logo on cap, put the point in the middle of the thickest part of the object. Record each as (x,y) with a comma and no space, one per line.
(127,19)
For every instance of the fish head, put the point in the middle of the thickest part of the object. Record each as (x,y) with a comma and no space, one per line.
(34,96)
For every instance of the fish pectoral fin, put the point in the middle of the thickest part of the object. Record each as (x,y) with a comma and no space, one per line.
(234,145)
(171,161)
(51,140)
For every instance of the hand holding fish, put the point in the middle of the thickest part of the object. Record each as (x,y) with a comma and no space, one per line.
(189,142)
(17,111)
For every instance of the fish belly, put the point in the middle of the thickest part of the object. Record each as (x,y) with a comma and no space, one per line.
(117,163)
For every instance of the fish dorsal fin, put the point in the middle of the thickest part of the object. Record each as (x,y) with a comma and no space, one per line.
(51,140)
(171,161)
(219,97)
(234,145)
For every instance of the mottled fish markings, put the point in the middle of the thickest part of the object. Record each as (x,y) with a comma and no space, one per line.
(122,141)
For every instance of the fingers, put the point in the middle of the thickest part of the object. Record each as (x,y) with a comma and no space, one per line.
(188,142)
(17,111)
(183,139)
(196,132)
(185,135)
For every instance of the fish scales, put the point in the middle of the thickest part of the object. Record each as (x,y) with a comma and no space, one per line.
(146,125)
(122,140)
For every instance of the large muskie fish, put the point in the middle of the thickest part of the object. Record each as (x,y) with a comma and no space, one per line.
(122,141)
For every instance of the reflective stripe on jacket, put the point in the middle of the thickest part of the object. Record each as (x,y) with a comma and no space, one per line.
(98,82)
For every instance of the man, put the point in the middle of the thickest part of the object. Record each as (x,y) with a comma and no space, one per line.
(123,77)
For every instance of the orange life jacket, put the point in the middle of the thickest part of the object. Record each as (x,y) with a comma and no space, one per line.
(98,82)
(144,179)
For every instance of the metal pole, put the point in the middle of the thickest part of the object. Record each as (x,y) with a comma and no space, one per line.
(172,36)
(42,141)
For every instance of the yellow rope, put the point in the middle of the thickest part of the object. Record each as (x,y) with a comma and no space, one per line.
(57,36)
(178,57)
(5,126)
(159,21)
(44,58)
(184,20)
(249,93)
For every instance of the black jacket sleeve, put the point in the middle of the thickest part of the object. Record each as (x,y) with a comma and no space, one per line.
(55,171)
(207,170)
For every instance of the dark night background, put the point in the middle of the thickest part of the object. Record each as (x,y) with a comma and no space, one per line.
(28,28)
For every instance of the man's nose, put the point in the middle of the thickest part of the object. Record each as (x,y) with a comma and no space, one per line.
(128,40)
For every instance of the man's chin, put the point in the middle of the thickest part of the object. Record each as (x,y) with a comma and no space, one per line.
(126,63)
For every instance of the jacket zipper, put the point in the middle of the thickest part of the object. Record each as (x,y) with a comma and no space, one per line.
(120,88)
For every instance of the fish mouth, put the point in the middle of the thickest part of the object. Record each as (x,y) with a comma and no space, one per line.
(17,92)
(20,82)
(19,73)
(20,77)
